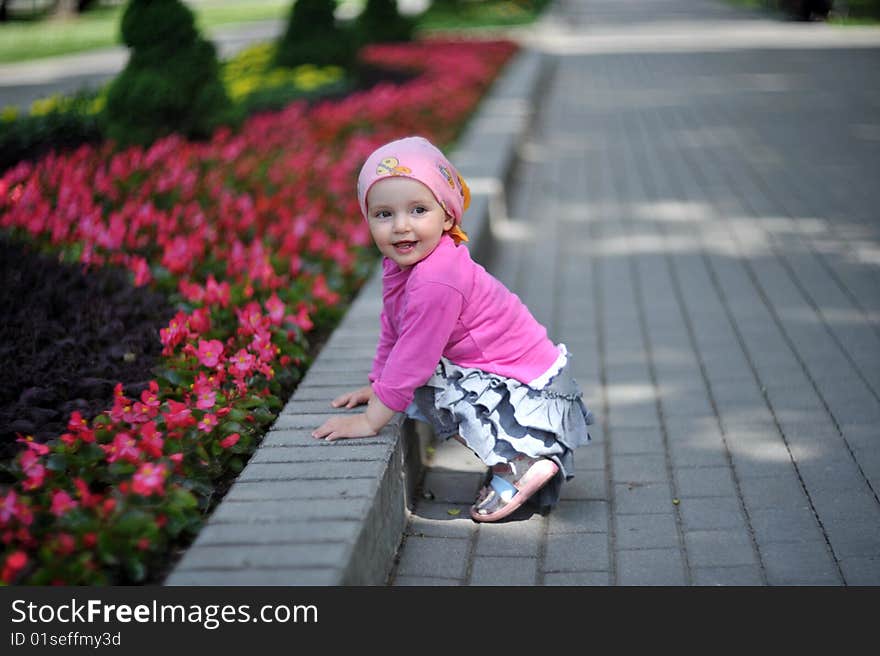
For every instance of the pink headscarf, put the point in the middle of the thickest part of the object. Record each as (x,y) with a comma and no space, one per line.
(419,159)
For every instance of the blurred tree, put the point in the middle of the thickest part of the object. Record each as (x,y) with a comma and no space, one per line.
(313,37)
(380,21)
(66,8)
(171,82)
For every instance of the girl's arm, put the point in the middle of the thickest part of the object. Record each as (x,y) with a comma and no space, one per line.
(366,424)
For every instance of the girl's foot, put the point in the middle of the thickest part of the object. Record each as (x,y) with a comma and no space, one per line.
(508,491)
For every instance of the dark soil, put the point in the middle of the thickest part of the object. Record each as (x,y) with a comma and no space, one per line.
(66,338)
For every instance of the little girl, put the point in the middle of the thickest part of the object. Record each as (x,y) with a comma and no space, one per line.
(457,349)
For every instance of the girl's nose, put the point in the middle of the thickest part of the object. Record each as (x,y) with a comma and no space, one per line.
(401,222)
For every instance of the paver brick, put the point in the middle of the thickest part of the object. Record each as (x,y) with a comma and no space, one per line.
(436,557)
(705,482)
(576,552)
(706,513)
(740,575)
(651,531)
(799,563)
(650,567)
(719,548)
(495,570)
(576,516)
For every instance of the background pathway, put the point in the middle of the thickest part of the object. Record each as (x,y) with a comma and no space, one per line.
(695,216)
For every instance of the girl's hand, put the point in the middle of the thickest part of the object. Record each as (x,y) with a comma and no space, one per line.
(352,399)
(343,426)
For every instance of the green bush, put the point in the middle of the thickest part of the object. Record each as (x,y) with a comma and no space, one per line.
(313,37)
(171,82)
(861,8)
(380,22)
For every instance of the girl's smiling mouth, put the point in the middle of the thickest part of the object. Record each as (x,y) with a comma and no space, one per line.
(404,246)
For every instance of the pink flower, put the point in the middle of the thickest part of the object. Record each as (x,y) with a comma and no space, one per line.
(36,447)
(141,269)
(206,399)
(208,423)
(262,344)
(199,321)
(123,448)
(228,441)
(149,479)
(302,318)
(322,292)
(217,292)
(276,308)
(35,472)
(242,363)
(8,508)
(150,396)
(61,503)
(210,352)
(251,319)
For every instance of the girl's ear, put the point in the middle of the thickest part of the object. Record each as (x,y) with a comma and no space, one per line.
(448,223)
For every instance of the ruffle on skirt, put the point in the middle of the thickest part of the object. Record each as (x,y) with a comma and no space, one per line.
(500,418)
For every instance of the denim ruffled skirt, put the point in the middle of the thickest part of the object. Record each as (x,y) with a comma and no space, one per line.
(500,418)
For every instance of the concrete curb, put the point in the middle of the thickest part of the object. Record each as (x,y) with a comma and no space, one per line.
(307,513)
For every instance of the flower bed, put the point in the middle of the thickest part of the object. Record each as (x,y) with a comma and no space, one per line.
(255,237)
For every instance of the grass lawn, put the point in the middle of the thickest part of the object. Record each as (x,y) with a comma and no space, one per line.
(21,40)
(487,13)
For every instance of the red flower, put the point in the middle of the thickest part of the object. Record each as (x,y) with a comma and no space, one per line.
(151,440)
(66,544)
(88,499)
(15,562)
(149,479)
(178,415)
(227,442)
(173,334)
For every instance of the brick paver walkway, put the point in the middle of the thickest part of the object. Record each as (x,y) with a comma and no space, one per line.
(696,218)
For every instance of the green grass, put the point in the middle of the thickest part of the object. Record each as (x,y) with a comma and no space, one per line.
(22,40)
(486,13)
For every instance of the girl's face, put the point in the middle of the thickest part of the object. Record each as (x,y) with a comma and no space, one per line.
(406,221)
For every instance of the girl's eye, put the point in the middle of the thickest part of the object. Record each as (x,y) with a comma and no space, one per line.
(420,210)
(382,214)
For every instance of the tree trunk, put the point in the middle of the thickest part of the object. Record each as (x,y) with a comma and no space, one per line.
(65,9)
(4,11)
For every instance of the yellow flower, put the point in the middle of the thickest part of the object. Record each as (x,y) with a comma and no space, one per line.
(45,106)
(8,114)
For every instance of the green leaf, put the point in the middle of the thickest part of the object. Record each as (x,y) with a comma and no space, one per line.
(56,462)
(133,522)
(171,375)
(231,427)
(135,569)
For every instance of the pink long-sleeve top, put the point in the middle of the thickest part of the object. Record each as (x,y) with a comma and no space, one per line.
(447,305)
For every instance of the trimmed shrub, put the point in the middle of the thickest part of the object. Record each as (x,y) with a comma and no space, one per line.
(381,22)
(313,37)
(171,82)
